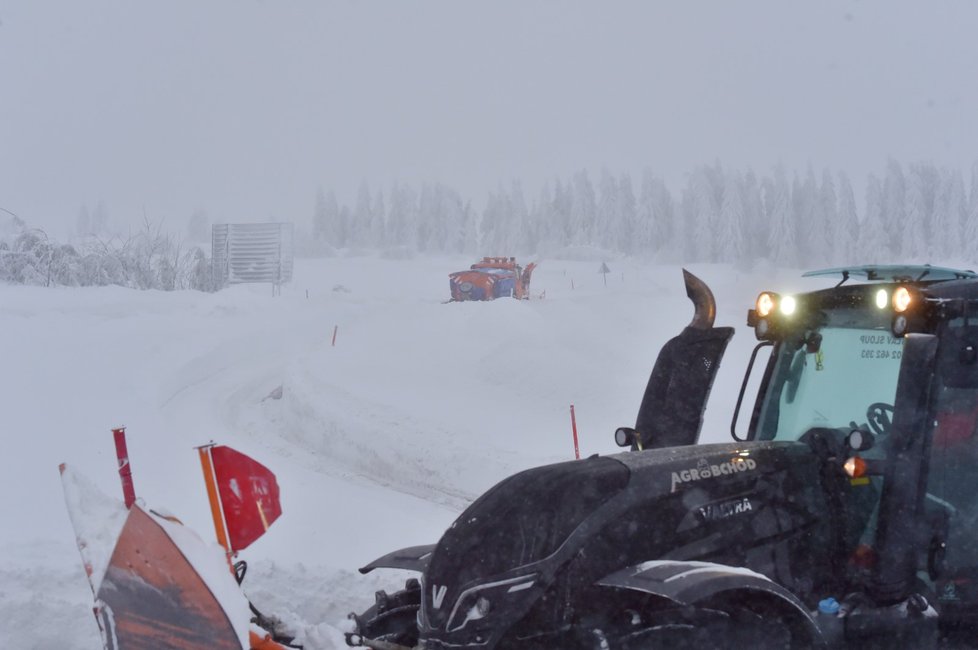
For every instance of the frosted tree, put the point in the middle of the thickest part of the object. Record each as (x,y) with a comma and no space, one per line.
(686,220)
(541,219)
(457,222)
(804,209)
(628,216)
(343,226)
(703,215)
(971,222)
(781,240)
(401,221)
(319,216)
(801,214)
(829,249)
(730,231)
(359,233)
(100,219)
(471,228)
(583,210)
(449,211)
(648,233)
(198,227)
(83,223)
(491,227)
(873,244)
(915,244)
(845,230)
(325,218)
(894,208)
(929,183)
(949,203)
(378,220)
(670,223)
(755,219)
(430,221)
(563,206)
(607,223)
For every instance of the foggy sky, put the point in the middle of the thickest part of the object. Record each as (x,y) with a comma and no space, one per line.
(244,109)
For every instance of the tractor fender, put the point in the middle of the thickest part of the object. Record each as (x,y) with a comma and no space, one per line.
(413,558)
(689,582)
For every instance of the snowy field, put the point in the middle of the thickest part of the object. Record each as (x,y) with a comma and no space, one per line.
(378,442)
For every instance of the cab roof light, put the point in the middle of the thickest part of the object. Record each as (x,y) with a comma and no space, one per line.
(788,305)
(766,303)
(901,299)
(882,299)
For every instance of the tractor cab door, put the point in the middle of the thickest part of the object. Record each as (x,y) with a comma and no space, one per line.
(951,500)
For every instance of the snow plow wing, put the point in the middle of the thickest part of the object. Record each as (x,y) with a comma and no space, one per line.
(152,597)
(156,584)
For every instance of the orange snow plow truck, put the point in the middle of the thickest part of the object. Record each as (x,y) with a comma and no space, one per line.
(493,277)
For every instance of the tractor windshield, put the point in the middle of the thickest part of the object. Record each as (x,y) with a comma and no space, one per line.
(829,374)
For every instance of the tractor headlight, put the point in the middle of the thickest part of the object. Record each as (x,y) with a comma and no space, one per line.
(788,305)
(766,302)
(882,299)
(901,300)
(474,604)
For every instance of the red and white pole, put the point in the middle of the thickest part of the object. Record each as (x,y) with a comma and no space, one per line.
(577,449)
(125,470)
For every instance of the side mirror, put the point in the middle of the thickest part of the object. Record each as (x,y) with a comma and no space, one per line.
(628,437)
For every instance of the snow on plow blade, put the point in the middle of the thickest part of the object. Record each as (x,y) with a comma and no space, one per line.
(152,597)
(161,587)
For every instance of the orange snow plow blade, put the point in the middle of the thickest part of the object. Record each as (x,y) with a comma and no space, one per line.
(152,597)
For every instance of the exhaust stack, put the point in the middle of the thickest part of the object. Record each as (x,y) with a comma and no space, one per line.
(703,302)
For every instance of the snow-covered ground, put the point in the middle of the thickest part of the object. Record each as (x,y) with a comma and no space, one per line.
(377,442)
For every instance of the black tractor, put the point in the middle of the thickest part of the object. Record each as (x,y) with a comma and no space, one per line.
(844,515)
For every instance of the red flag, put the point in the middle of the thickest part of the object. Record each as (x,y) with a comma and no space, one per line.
(249,496)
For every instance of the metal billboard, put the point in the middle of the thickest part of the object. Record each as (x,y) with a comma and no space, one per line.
(252,252)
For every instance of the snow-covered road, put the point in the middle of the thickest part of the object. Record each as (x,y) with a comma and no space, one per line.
(377,442)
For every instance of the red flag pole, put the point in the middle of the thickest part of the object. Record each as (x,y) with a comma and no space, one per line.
(217,512)
(577,450)
(125,470)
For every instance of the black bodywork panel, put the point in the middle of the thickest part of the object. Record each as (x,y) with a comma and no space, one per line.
(413,558)
(760,506)
(671,412)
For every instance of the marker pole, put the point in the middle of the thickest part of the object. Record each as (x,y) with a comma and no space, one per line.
(577,449)
(125,470)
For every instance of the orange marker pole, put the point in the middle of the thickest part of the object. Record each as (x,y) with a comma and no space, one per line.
(217,512)
(577,449)
(125,471)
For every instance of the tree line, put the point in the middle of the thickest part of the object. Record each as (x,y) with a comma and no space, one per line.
(913,213)
(920,212)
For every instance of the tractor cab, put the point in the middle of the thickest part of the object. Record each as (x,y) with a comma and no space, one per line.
(836,353)
(843,514)
(883,375)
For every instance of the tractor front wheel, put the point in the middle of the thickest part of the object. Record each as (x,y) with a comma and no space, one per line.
(720,623)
